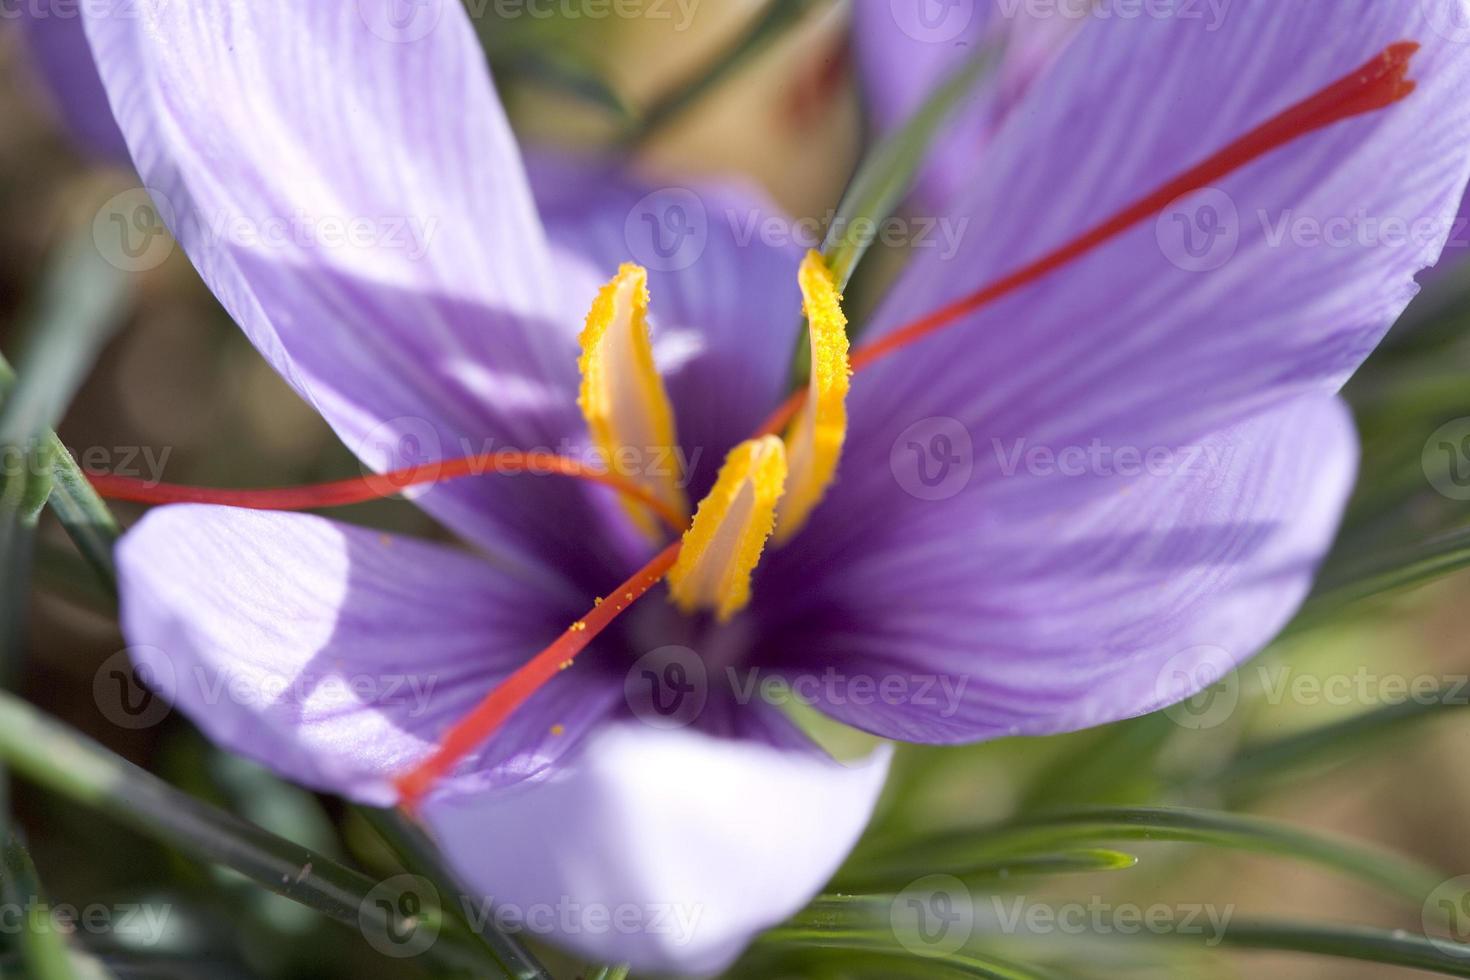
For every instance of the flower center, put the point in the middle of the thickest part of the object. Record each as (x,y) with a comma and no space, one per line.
(765,481)
(766,484)
(1376,85)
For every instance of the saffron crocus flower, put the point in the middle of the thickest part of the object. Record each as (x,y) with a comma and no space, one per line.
(945,555)
(338,656)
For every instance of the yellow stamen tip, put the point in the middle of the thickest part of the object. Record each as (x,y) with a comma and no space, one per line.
(622,396)
(724,544)
(815,437)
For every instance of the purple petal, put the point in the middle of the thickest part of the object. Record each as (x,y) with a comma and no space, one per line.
(668,850)
(724,302)
(907,48)
(986,619)
(59,52)
(347,184)
(337,655)
(1141,342)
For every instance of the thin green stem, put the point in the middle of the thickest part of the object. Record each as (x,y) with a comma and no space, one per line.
(46,953)
(779,16)
(54,756)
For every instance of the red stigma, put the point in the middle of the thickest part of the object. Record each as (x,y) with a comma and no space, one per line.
(1378,84)
(473,729)
(356,490)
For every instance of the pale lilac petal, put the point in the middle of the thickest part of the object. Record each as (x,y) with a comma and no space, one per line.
(1139,343)
(724,303)
(907,48)
(62,59)
(982,620)
(668,850)
(352,193)
(338,655)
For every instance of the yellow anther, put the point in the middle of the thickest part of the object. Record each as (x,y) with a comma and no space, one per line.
(723,545)
(623,397)
(814,438)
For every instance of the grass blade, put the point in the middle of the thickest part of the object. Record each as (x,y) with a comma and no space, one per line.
(52,755)
(1047,832)
(779,16)
(1391,948)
